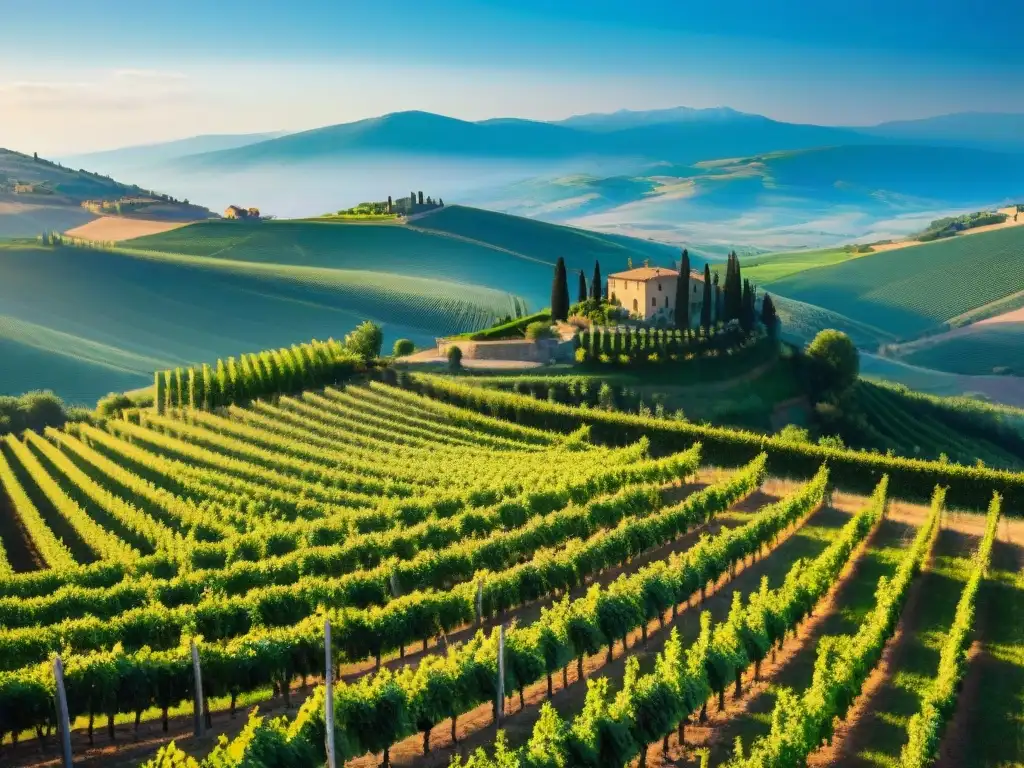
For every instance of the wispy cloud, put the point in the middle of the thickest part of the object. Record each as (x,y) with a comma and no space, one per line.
(122,89)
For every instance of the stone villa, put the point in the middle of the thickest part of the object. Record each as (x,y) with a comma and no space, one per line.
(649,293)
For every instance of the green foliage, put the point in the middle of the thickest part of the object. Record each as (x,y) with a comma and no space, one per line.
(539,330)
(915,290)
(365,341)
(454,358)
(266,373)
(953,225)
(926,726)
(834,362)
(403,347)
(33,410)
(968,486)
(560,292)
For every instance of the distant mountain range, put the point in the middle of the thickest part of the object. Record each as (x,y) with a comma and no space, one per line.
(160,152)
(677,135)
(715,176)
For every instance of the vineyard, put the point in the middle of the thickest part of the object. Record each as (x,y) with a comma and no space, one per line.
(609,601)
(910,291)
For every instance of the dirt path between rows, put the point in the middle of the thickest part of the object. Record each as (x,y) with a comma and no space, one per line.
(130,749)
(793,665)
(477,728)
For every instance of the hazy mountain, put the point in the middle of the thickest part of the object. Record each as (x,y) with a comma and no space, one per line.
(429,135)
(626,118)
(161,152)
(777,200)
(985,130)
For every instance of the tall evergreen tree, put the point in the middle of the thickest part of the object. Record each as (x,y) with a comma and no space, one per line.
(716,292)
(746,309)
(683,293)
(389,203)
(769,318)
(705,309)
(560,292)
(596,284)
(583,287)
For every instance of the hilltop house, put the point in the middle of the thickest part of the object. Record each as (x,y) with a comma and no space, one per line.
(236,212)
(649,293)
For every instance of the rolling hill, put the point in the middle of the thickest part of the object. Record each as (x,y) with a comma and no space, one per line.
(38,195)
(463,245)
(115,317)
(150,154)
(820,197)
(218,288)
(911,291)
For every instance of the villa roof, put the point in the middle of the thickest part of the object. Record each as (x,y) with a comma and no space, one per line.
(642,274)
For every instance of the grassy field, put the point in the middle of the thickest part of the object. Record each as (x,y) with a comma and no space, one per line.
(989,348)
(85,322)
(464,245)
(911,290)
(764,270)
(801,323)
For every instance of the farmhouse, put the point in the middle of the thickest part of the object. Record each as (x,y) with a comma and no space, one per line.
(649,293)
(235,212)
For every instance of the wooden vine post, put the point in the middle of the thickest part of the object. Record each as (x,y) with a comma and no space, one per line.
(329,696)
(62,712)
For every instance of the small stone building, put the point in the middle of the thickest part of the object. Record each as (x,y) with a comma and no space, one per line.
(649,293)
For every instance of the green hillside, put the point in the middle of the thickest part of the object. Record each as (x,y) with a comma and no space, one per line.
(113,318)
(769,268)
(983,349)
(463,245)
(909,291)
(545,241)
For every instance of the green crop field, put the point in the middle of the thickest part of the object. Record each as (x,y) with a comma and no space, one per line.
(768,268)
(801,323)
(908,291)
(415,525)
(85,322)
(985,349)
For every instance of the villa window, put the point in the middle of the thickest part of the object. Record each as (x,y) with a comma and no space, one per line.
(659,286)
(654,302)
(636,307)
(666,301)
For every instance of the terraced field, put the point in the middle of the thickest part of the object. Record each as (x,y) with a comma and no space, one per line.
(415,527)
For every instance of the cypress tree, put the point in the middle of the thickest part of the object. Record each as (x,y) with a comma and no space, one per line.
(596,284)
(582,288)
(683,292)
(746,313)
(769,318)
(559,293)
(180,396)
(705,309)
(716,314)
(208,392)
(192,401)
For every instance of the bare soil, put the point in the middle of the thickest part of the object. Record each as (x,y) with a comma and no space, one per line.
(115,228)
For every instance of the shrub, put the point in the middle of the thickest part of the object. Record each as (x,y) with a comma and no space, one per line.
(455,358)
(365,341)
(404,347)
(791,433)
(113,404)
(538,330)
(33,410)
(831,441)
(834,362)
(581,355)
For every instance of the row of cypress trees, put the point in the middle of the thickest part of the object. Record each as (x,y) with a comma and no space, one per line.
(560,289)
(206,387)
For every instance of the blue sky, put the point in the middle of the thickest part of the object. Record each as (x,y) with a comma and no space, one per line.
(75,76)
